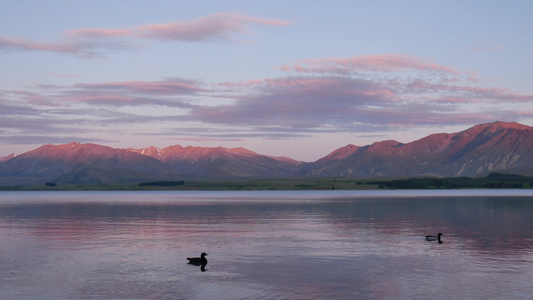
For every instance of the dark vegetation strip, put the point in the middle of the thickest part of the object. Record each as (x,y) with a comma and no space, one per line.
(492,181)
(162,183)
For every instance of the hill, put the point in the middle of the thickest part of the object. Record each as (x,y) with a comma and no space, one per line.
(81,163)
(221,163)
(504,147)
(477,151)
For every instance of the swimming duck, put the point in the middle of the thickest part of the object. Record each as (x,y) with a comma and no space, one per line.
(432,238)
(197,261)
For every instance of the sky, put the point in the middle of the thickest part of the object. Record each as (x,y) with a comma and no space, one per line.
(282,78)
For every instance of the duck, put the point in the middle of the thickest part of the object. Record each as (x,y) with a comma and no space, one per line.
(197,261)
(432,238)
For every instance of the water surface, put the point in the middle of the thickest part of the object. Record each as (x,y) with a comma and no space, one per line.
(266,245)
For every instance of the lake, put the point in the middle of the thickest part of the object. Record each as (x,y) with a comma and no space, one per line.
(267,245)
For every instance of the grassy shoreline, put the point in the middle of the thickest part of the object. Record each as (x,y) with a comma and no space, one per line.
(266,184)
(492,181)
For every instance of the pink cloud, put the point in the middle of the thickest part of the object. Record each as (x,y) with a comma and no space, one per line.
(345,101)
(79,48)
(94,42)
(248,83)
(303,102)
(104,99)
(159,93)
(93,33)
(373,63)
(330,86)
(41,101)
(467,93)
(322,95)
(26,45)
(215,26)
(451,99)
(473,76)
(262,21)
(526,113)
(166,87)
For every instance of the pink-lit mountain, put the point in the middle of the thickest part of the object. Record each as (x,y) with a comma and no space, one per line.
(6,158)
(485,148)
(221,163)
(82,163)
(477,151)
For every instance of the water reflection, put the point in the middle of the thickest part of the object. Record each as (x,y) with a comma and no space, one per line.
(65,246)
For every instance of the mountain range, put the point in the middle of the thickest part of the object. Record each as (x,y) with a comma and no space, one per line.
(477,151)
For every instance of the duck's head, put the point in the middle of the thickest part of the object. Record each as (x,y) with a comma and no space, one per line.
(439,234)
(203,254)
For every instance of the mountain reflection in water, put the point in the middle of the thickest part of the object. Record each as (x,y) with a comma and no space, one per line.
(281,245)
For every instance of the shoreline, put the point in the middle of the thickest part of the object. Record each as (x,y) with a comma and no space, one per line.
(491,181)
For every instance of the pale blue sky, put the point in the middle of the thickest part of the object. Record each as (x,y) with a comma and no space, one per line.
(287,78)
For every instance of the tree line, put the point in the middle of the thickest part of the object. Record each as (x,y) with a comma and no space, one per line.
(491,181)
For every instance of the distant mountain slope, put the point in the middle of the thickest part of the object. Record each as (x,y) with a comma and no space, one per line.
(81,163)
(6,158)
(497,146)
(340,153)
(221,163)
(477,151)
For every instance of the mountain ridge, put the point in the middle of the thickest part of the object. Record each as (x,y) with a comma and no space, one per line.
(220,162)
(82,163)
(480,149)
(441,154)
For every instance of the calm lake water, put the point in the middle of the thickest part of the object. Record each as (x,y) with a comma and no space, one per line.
(267,245)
